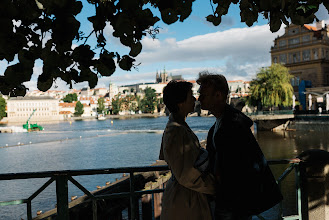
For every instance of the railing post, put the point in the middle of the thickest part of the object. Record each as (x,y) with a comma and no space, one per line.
(299,192)
(29,210)
(133,203)
(94,209)
(62,197)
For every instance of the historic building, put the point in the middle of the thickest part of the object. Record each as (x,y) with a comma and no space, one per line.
(163,77)
(19,109)
(305,51)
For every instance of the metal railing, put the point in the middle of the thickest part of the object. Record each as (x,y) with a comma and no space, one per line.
(62,177)
(274,112)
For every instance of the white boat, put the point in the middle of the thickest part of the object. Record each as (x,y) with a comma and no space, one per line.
(101,117)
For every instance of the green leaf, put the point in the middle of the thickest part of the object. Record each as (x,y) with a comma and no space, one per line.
(87,75)
(83,55)
(77,7)
(210,18)
(126,62)
(98,22)
(44,82)
(106,65)
(169,16)
(20,90)
(275,23)
(264,5)
(135,49)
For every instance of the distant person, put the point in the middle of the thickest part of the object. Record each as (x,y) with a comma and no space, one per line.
(320,110)
(185,196)
(245,184)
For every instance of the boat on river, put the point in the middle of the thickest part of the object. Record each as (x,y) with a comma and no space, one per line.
(101,117)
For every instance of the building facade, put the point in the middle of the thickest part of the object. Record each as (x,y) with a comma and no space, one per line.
(19,109)
(305,51)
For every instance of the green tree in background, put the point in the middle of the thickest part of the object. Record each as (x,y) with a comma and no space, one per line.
(272,87)
(116,104)
(70,98)
(2,107)
(78,109)
(101,105)
(149,101)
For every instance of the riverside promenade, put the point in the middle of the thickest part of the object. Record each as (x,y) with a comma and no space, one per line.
(138,195)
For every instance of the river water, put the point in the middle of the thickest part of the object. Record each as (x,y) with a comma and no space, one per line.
(115,143)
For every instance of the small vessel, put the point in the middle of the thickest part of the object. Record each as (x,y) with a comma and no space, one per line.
(101,117)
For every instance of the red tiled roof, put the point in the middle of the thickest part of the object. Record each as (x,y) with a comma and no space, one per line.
(67,105)
(65,112)
(309,27)
(231,81)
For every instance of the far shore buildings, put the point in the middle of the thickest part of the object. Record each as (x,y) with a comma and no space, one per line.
(19,109)
(305,51)
(49,106)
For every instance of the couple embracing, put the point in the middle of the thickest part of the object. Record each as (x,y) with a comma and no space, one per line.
(230,179)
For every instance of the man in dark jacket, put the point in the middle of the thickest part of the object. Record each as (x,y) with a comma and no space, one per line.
(245,183)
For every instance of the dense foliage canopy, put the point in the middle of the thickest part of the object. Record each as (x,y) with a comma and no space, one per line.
(48,30)
(149,101)
(78,109)
(2,108)
(70,98)
(101,105)
(272,86)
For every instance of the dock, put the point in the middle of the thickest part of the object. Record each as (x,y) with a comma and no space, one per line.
(12,129)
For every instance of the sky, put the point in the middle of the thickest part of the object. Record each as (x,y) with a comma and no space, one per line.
(187,48)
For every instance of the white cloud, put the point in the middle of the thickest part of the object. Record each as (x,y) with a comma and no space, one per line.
(241,45)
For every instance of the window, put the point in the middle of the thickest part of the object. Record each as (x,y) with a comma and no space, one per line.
(293,41)
(293,31)
(315,54)
(294,57)
(282,43)
(283,58)
(306,55)
(306,38)
(275,60)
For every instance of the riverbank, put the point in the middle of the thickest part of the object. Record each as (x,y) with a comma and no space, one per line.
(143,115)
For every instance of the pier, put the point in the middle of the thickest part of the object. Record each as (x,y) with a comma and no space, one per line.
(12,129)
(272,120)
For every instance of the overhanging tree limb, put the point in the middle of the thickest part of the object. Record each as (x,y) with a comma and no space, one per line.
(25,24)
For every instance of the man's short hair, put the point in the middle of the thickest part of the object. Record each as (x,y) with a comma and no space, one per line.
(217,81)
(174,93)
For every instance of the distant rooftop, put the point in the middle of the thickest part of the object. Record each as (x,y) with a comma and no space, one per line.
(32,98)
(309,27)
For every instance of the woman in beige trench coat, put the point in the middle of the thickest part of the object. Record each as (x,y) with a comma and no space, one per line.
(185,196)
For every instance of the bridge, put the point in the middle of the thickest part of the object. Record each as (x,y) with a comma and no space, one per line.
(272,120)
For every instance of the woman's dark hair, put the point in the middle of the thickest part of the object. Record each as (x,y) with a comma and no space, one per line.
(174,93)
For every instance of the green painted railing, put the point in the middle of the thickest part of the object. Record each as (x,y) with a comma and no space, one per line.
(62,177)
